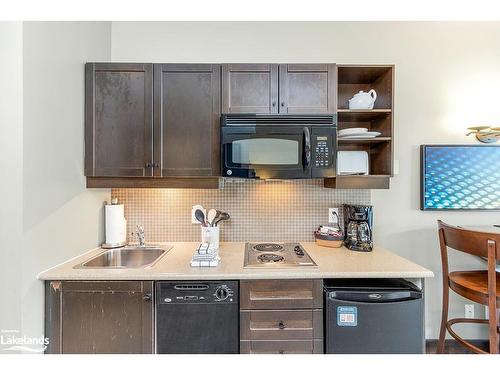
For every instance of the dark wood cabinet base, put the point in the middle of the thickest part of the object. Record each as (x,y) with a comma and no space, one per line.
(99,317)
(154,183)
(281,316)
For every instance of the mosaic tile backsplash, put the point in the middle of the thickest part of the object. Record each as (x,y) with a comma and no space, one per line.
(260,210)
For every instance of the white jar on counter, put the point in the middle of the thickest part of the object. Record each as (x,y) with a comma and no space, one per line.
(210,235)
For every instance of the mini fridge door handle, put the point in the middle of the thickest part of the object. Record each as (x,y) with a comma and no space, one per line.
(375,297)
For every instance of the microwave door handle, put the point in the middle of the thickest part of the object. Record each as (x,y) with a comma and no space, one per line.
(307,147)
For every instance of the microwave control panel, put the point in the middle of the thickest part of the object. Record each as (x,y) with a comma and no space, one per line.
(323,155)
(322,151)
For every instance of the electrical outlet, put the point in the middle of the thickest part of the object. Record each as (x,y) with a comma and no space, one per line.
(193,209)
(469,311)
(333,215)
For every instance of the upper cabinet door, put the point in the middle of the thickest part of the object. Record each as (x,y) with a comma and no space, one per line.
(250,88)
(187,119)
(307,88)
(119,119)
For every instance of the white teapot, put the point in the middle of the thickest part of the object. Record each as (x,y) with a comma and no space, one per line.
(363,100)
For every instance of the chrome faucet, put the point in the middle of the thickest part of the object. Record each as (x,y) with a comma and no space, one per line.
(140,236)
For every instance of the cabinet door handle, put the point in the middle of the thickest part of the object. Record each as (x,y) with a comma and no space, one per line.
(147,297)
(282,104)
(281,325)
(273,104)
(281,351)
(148,165)
(156,165)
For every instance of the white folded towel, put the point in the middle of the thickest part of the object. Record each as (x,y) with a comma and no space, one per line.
(205,256)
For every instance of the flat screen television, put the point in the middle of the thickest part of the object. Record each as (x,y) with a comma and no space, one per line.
(460,177)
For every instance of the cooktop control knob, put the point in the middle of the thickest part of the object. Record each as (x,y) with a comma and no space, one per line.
(221,293)
(298,250)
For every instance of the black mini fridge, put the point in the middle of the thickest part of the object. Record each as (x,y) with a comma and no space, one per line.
(373,316)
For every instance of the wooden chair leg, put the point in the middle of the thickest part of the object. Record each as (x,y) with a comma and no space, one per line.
(444,319)
(493,333)
(492,299)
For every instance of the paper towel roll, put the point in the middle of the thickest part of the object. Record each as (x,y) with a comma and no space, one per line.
(116,225)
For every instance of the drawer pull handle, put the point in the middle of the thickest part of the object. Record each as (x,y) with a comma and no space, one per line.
(281,325)
(281,352)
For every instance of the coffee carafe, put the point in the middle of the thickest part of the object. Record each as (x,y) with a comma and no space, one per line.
(358,224)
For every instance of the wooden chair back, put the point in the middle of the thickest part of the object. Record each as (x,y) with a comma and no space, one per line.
(477,243)
(469,241)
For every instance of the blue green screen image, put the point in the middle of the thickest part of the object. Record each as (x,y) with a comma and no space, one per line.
(461,178)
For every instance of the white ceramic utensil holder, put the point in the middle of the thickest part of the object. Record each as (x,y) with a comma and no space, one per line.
(210,235)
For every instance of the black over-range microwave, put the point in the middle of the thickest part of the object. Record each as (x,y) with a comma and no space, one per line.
(277,146)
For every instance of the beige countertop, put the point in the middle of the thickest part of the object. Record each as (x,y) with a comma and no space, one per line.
(332,263)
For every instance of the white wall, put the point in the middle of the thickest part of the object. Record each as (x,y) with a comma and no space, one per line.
(11,159)
(447,78)
(61,218)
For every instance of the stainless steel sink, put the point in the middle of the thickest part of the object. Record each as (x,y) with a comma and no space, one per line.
(126,257)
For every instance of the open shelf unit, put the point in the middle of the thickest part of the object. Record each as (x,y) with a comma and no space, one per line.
(358,182)
(363,140)
(351,80)
(347,115)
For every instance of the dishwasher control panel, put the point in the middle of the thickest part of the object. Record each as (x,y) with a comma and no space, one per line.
(196,292)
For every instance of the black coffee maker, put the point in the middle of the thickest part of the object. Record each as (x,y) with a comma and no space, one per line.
(358,224)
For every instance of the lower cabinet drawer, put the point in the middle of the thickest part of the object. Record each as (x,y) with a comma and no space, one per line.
(282,347)
(281,324)
(281,294)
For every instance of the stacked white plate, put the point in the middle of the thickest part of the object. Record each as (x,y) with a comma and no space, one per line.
(357,133)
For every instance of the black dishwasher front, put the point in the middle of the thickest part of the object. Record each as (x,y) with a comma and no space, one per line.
(365,316)
(197,317)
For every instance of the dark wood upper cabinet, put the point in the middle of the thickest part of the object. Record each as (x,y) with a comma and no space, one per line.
(250,88)
(118,119)
(283,88)
(101,317)
(186,120)
(307,88)
(158,125)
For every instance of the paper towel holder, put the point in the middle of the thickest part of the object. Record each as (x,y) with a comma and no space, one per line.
(113,245)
